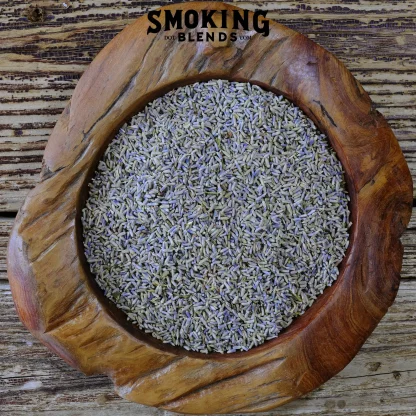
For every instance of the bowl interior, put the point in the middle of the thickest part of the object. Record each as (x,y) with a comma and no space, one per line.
(120,317)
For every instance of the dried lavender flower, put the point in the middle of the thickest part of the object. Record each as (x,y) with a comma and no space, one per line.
(216,216)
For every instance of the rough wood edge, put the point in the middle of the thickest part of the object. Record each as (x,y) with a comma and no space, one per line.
(308,354)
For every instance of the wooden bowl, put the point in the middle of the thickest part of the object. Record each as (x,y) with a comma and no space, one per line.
(57,298)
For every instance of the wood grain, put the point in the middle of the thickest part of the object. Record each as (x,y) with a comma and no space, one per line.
(381,379)
(39,68)
(75,322)
(40,65)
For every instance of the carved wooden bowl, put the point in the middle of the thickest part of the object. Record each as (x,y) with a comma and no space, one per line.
(57,298)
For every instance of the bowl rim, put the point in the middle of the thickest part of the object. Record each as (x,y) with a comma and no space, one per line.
(59,301)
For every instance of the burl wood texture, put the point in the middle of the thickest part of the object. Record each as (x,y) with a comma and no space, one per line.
(59,303)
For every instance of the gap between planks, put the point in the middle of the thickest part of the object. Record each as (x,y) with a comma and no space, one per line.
(408,239)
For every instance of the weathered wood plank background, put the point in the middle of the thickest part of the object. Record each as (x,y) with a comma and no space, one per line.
(45,46)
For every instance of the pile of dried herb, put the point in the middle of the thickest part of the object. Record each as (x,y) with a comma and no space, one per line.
(216,216)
